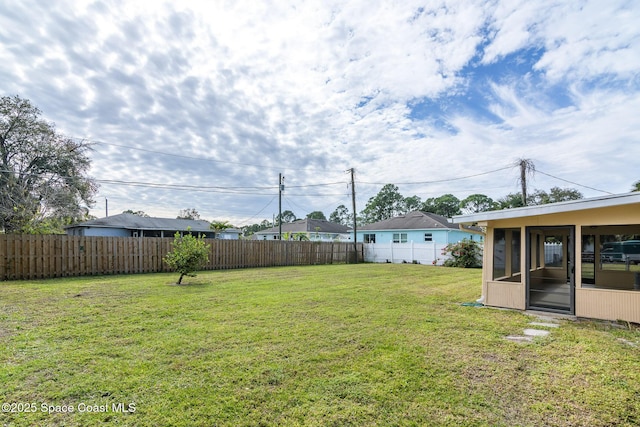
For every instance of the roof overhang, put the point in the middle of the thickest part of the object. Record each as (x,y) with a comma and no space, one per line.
(552,208)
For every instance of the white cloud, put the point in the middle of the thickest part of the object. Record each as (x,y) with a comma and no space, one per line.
(313,88)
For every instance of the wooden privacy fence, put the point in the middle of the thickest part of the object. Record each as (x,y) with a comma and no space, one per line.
(39,256)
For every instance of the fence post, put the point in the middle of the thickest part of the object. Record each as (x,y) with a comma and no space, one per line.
(413,257)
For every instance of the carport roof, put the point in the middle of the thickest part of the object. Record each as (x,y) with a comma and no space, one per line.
(552,208)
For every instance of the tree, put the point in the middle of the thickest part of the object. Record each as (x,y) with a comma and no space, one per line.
(636,186)
(188,255)
(446,205)
(248,230)
(384,205)
(138,213)
(539,197)
(189,213)
(219,226)
(477,203)
(265,224)
(287,216)
(465,254)
(42,173)
(317,215)
(555,195)
(412,203)
(511,200)
(341,216)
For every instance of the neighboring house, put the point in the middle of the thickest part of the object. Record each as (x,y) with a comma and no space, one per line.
(129,225)
(417,227)
(228,234)
(315,230)
(581,278)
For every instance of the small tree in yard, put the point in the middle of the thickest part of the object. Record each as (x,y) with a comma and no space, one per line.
(188,255)
(466,254)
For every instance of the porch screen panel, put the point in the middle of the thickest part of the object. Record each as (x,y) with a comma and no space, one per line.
(499,255)
(515,251)
(588,257)
(506,253)
(611,257)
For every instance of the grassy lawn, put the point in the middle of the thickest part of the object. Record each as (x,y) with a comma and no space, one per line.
(340,345)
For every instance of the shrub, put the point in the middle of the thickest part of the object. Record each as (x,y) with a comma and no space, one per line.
(466,254)
(188,255)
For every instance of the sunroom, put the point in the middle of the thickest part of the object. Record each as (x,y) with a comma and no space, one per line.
(580,257)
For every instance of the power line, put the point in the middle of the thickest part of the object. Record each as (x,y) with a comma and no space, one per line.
(180,187)
(207,188)
(441,180)
(164,153)
(259,212)
(571,182)
(187,187)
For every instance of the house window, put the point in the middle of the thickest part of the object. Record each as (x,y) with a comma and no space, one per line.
(399,237)
(369,238)
(428,237)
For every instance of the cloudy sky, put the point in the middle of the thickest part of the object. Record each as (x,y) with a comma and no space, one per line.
(201,104)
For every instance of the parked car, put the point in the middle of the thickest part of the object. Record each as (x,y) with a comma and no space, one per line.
(626,251)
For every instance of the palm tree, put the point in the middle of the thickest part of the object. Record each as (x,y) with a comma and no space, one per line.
(219,226)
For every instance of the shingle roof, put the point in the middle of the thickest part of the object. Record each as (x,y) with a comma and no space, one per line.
(135,222)
(309,225)
(416,220)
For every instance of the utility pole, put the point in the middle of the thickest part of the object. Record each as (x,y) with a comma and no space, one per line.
(280,190)
(527,168)
(353,203)
(106,207)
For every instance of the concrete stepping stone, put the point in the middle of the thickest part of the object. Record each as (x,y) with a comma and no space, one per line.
(627,342)
(535,333)
(518,338)
(545,324)
(542,321)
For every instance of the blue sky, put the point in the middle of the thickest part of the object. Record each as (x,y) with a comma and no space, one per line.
(201,104)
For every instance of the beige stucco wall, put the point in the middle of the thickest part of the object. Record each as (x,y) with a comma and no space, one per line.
(591,303)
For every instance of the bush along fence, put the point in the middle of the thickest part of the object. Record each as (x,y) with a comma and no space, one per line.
(46,256)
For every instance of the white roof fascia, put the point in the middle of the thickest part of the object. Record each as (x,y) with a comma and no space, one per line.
(552,208)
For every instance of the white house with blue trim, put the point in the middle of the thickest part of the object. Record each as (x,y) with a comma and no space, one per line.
(315,230)
(417,227)
(416,237)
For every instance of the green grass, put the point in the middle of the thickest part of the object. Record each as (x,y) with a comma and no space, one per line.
(371,344)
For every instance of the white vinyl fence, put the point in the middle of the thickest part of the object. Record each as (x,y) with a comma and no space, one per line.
(410,253)
(553,253)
